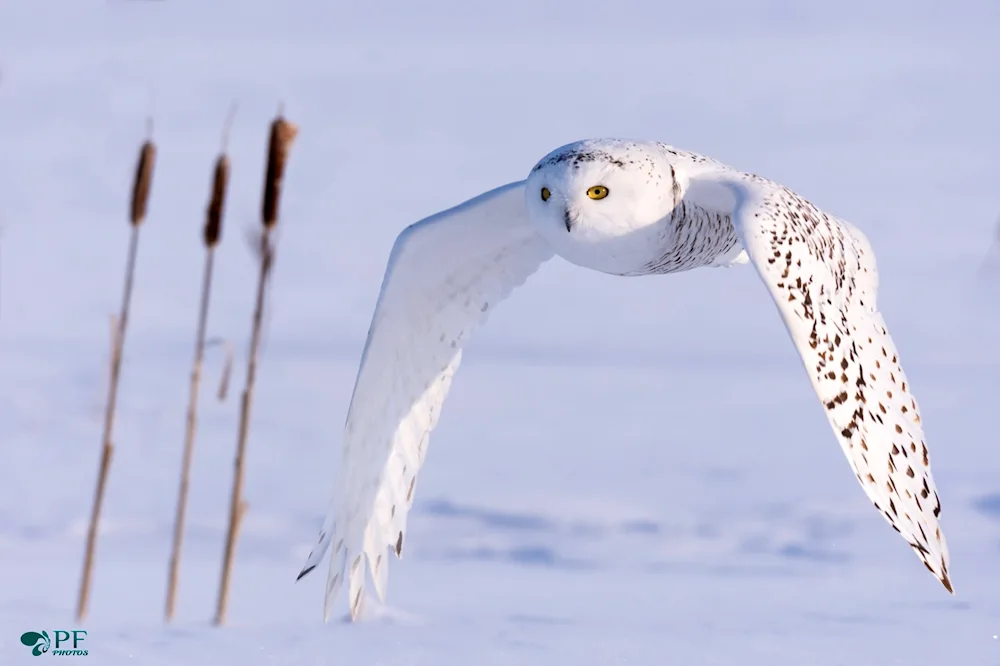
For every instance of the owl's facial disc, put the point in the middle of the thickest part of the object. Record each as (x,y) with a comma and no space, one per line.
(569,216)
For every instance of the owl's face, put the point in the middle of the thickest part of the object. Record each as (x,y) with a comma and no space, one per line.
(602,204)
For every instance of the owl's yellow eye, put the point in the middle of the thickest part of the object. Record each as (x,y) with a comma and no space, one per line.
(597,192)
(546,194)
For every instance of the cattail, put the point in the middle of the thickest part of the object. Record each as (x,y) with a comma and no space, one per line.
(210,236)
(280,141)
(213,223)
(281,136)
(143,178)
(137,213)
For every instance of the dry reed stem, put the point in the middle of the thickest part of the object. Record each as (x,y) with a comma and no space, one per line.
(189,436)
(227,367)
(281,136)
(140,195)
(210,236)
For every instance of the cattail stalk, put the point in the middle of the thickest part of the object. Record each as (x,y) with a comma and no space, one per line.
(137,213)
(280,141)
(211,234)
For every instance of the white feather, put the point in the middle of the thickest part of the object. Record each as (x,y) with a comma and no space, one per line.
(444,275)
(822,276)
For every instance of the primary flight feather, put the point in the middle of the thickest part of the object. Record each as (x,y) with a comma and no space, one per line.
(624,208)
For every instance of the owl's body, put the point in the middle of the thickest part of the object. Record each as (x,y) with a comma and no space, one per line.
(625,208)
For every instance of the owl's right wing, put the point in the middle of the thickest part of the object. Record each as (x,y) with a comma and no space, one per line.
(444,275)
(822,276)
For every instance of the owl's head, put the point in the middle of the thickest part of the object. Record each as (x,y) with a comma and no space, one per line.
(601,203)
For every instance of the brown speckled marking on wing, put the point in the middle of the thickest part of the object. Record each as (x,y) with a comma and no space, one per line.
(821,273)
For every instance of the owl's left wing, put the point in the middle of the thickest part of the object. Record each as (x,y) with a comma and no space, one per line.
(821,273)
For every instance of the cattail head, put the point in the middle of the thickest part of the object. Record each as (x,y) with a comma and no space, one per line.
(282,135)
(213,221)
(143,178)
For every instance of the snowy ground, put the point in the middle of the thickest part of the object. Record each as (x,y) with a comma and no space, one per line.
(628,471)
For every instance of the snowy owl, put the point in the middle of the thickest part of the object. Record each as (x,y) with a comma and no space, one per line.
(624,208)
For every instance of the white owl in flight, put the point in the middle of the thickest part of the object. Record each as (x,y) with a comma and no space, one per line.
(624,208)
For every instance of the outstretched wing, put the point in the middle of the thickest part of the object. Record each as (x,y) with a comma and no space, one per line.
(445,274)
(821,273)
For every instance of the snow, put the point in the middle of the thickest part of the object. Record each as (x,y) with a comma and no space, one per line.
(552,525)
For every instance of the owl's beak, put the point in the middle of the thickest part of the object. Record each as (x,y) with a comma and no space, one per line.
(567,219)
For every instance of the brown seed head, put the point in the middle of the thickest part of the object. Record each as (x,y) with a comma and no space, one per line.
(213,221)
(143,179)
(282,135)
